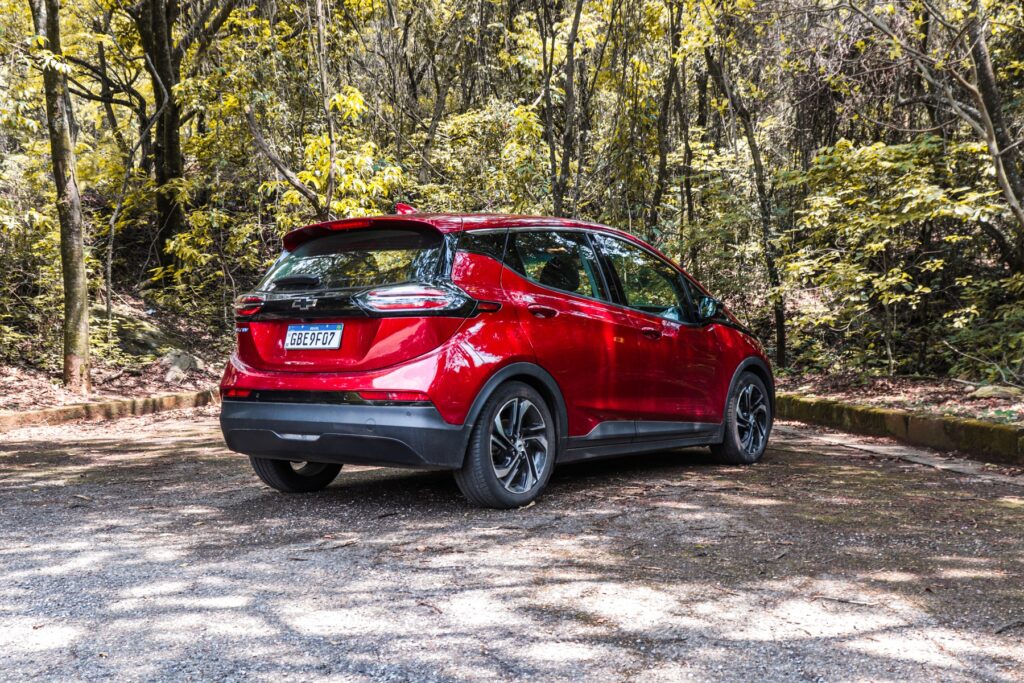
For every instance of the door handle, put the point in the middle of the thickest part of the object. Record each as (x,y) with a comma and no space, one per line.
(651,332)
(542,311)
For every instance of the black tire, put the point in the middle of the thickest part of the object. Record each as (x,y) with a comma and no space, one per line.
(748,422)
(511,451)
(289,477)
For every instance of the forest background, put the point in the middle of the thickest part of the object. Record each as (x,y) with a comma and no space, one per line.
(847,176)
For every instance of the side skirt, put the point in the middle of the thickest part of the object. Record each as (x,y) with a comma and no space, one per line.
(647,437)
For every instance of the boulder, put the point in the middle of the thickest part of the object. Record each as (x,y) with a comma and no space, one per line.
(178,364)
(993,391)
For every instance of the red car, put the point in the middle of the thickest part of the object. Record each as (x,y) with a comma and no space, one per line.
(492,346)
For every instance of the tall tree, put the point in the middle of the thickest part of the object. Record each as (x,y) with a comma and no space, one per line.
(764,200)
(46,21)
(167,30)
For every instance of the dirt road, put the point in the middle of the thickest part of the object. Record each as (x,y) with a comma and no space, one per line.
(144,550)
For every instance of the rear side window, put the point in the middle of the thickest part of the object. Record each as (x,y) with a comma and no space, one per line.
(358,259)
(487,243)
(560,260)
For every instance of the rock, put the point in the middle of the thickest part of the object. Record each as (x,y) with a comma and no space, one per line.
(992,391)
(178,363)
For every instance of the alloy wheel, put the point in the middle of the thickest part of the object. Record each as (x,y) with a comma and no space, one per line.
(752,419)
(519,445)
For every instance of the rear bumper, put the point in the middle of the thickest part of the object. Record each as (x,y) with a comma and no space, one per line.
(400,436)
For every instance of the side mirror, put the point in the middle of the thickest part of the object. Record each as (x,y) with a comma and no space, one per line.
(708,307)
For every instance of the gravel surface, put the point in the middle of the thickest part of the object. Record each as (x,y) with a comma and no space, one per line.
(143,550)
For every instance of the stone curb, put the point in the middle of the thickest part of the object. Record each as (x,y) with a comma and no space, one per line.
(977,439)
(108,410)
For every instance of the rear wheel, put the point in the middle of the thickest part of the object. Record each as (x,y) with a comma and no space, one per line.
(748,422)
(511,450)
(294,477)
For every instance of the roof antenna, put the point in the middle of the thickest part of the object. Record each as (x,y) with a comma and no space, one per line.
(401,209)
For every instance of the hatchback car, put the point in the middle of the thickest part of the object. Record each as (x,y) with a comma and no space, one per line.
(492,346)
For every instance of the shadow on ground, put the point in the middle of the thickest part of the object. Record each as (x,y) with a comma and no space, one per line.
(145,550)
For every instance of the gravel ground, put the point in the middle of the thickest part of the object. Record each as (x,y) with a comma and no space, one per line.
(144,550)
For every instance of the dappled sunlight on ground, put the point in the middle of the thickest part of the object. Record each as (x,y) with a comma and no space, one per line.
(149,551)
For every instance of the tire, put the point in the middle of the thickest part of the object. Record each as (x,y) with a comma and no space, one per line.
(748,422)
(289,477)
(511,451)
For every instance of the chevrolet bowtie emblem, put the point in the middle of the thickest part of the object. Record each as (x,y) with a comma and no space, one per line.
(304,304)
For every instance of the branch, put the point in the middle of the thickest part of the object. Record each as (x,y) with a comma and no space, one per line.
(201,31)
(288,174)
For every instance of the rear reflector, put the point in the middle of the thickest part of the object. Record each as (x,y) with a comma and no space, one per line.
(413,298)
(234,392)
(403,396)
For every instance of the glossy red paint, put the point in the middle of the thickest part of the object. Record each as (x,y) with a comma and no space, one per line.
(609,362)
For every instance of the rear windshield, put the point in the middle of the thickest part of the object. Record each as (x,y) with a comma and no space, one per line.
(358,258)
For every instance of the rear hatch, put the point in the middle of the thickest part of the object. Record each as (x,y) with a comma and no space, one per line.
(352,300)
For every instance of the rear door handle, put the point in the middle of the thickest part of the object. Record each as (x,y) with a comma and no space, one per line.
(542,311)
(651,332)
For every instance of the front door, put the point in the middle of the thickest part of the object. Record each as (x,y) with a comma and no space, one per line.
(672,371)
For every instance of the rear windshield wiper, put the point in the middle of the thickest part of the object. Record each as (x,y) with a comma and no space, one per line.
(297,282)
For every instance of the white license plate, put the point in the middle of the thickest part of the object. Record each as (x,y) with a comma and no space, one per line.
(313,336)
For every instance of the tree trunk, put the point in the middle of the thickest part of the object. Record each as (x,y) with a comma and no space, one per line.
(1001,147)
(46,20)
(763,200)
(568,132)
(154,20)
(664,112)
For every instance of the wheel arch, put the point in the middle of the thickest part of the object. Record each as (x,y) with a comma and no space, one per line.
(762,370)
(534,376)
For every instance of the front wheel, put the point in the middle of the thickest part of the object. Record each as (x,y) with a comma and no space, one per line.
(294,477)
(748,422)
(511,450)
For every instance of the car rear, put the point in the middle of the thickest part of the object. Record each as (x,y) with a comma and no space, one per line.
(312,378)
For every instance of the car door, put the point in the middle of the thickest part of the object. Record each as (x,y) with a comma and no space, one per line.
(554,280)
(672,367)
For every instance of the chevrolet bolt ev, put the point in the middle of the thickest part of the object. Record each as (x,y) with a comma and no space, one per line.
(492,346)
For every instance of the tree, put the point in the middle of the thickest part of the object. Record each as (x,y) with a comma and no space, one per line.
(46,21)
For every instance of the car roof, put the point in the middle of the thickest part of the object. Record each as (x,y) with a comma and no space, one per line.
(442,222)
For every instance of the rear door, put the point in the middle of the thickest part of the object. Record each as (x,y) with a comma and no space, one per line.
(554,281)
(357,299)
(672,366)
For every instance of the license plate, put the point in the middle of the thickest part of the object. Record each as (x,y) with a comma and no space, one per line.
(313,336)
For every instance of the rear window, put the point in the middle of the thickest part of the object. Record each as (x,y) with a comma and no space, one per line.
(358,259)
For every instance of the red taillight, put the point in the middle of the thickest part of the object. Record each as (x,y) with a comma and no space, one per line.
(404,396)
(248,304)
(234,392)
(413,298)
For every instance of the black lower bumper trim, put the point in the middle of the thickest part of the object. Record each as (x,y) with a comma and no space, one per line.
(401,436)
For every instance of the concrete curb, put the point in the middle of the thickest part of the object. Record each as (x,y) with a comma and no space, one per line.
(980,440)
(108,410)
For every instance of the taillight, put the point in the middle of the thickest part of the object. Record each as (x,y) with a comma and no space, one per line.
(248,304)
(416,299)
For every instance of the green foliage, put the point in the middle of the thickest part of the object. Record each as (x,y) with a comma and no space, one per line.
(896,248)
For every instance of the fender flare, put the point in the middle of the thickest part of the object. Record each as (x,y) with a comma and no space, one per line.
(513,370)
(745,364)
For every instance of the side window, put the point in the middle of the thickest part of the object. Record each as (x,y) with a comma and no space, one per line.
(560,260)
(648,283)
(487,243)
